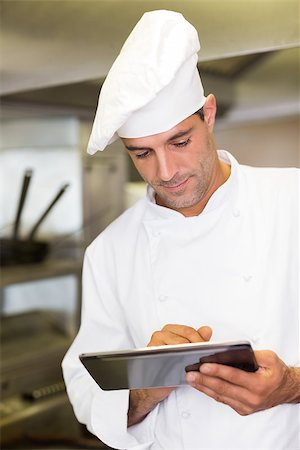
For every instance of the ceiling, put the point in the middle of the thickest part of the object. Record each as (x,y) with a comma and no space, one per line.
(58,52)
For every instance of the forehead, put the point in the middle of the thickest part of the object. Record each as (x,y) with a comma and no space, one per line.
(183,127)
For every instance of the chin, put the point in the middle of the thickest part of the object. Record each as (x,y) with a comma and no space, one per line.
(174,203)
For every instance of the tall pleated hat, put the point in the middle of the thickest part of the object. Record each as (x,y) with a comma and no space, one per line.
(154,83)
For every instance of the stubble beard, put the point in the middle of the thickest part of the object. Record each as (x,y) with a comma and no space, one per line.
(185,199)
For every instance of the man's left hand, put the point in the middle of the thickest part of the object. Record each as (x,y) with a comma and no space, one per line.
(274,383)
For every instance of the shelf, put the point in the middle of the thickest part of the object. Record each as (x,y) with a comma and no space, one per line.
(33,272)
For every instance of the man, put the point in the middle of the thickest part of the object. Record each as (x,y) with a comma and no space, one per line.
(211,251)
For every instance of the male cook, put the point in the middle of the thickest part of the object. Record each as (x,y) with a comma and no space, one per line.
(211,250)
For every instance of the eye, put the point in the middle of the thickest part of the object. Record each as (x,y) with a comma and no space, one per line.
(182,144)
(142,155)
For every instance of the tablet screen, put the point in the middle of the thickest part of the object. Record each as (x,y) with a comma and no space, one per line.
(165,365)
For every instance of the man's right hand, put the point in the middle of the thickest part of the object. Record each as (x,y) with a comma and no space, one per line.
(173,334)
(142,401)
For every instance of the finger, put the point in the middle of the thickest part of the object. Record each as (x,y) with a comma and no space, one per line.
(222,390)
(218,385)
(166,338)
(205,332)
(184,331)
(230,374)
(226,392)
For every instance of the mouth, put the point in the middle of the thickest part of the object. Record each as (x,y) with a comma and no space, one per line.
(178,187)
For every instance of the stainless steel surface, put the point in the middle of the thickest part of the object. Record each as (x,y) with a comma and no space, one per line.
(103,179)
(46,424)
(17,409)
(32,347)
(35,411)
(49,43)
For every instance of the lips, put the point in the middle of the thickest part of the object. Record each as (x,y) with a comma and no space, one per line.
(177,187)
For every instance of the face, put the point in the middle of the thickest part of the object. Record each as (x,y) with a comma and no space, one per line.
(180,164)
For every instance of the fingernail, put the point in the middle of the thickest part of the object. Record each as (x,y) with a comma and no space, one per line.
(205,368)
(191,377)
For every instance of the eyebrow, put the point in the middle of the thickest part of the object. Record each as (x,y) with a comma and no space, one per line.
(172,138)
(179,134)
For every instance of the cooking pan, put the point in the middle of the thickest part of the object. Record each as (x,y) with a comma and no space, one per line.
(27,251)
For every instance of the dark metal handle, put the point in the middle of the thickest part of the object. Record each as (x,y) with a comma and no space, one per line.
(26,181)
(38,223)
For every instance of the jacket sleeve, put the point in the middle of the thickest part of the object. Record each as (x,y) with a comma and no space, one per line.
(102,328)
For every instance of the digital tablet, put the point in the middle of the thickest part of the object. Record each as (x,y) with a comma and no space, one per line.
(165,365)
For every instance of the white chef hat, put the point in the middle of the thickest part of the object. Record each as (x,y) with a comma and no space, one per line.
(153,84)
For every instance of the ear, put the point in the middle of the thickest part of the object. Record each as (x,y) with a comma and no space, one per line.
(210,109)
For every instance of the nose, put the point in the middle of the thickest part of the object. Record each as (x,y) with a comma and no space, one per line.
(166,165)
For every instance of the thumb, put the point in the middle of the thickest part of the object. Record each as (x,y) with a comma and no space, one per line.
(205,332)
(266,358)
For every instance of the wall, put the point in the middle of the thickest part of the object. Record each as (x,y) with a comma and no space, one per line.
(266,143)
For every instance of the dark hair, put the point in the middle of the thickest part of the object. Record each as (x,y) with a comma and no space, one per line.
(200,113)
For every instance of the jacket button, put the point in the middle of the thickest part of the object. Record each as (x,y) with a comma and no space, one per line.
(156,233)
(163,298)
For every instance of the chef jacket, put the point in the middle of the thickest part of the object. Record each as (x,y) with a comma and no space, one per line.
(234,267)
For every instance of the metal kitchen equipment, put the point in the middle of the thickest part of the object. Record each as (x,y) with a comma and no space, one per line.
(33,343)
(17,251)
(32,347)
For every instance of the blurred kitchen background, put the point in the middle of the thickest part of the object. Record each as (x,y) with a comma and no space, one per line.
(54,198)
